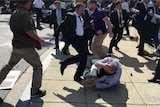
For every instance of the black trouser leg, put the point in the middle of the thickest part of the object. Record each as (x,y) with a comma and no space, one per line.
(157,73)
(38,13)
(119,35)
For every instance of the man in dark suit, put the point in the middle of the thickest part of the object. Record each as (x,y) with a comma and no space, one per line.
(153,23)
(140,9)
(73,24)
(56,18)
(118,18)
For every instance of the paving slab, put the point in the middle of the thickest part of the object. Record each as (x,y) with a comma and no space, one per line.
(113,105)
(139,76)
(124,76)
(62,91)
(58,105)
(149,92)
(54,73)
(121,94)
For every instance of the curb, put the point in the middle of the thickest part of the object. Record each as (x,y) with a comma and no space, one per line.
(19,96)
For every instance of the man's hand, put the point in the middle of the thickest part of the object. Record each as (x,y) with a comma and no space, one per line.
(89,82)
(99,65)
(41,41)
(99,32)
(111,35)
(51,39)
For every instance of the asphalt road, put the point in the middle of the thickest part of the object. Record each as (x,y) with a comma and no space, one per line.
(6,47)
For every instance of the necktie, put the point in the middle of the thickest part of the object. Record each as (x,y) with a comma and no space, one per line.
(80,18)
(120,19)
(156,18)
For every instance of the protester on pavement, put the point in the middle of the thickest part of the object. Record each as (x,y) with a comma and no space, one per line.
(24,42)
(103,74)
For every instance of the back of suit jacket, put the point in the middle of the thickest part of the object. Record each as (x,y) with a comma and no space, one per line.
(143,12)
(69,25)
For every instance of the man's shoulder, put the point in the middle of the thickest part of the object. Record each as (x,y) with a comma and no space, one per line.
(21,13)
(70,14)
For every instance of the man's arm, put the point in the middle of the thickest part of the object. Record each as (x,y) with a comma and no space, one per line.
(34,35)
(109,25)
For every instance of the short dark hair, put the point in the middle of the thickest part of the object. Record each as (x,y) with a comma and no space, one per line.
(55,2)
(92,1)
(117,2)
(78,5)
(22,2)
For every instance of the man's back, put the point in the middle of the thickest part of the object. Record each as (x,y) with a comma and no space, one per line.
(20,23)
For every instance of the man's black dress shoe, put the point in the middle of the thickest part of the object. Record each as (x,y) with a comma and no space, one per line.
(141,54)
(63,66)
(78,79)
(40,93)
(117,48)
(153,80)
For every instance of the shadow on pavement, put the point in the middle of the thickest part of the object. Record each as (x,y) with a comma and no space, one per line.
(114,96)
(134,62)
(36,104)
(3,104)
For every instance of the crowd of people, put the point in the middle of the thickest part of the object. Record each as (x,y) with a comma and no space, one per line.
(85,27)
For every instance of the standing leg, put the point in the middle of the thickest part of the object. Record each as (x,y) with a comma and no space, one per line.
(32,57)
(119,37)
(157,73)
(113,41)
(38,13)
(97,45)
(14,59)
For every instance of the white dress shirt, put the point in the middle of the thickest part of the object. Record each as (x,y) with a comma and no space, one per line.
(79,25)
(38,3)
(59,16)
(154,19)
(125,6)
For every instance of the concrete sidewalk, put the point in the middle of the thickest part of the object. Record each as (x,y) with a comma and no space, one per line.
(133,90)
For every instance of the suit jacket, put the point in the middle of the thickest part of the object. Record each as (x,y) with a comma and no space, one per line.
(149,18)
(114,18)
(143,12)
(69,25)
(53,18)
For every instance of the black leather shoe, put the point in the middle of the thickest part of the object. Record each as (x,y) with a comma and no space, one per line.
(153,80)
(141,54)
(63,66)
(117,48)
(78,79)
(40,93)
(110,51)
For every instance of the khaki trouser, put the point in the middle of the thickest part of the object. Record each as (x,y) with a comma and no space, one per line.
(96,46)
(31,56)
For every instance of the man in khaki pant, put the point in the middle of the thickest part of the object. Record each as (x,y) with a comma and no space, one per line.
(24,42)
(100,21)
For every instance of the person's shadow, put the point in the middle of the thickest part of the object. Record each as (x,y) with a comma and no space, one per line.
(3,104)
(115,96)
(134,62)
